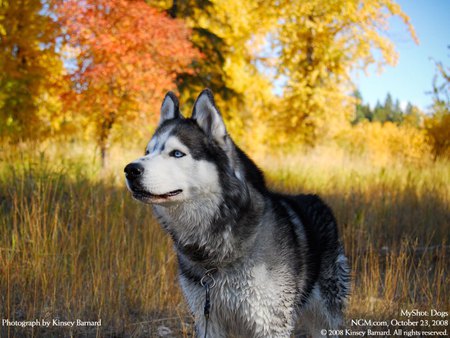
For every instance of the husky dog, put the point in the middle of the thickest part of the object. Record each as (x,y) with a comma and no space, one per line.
(261,260)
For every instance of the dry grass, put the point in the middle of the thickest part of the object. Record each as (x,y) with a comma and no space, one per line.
(73,244)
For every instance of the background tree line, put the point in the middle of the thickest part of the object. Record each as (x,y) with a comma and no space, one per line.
(280,70)
(389,111)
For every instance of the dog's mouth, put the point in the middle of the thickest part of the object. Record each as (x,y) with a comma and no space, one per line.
(145,195)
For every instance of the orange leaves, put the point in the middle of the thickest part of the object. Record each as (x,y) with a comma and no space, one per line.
(127,55)
(127,51)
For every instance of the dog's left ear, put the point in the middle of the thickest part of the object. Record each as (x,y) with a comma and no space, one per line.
(209,119)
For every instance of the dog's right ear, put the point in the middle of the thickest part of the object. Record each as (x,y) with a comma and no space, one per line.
(209,119)
(170,108)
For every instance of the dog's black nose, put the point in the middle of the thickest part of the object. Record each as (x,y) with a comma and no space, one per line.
(133,170)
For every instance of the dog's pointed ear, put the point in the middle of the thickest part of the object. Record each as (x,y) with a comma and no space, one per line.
(209,119)
(170,108)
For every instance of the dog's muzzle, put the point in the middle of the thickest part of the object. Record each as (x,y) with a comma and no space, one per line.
(133,172)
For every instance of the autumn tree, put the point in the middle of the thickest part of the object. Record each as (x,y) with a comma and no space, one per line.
(321,43)
(288,63)
(30,70)
(210,71)
(229,33)
(126,55)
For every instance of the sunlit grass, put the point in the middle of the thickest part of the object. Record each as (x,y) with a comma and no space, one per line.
(73,244)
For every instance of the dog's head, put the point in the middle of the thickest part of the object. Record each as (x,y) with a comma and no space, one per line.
(186,157)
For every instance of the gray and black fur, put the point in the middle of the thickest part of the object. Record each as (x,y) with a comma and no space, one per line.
(277,259)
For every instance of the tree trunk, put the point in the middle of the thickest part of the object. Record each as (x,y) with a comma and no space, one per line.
(103,155)
(103,140)
(173,10)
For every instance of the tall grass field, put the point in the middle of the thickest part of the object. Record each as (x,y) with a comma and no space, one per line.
(75,245)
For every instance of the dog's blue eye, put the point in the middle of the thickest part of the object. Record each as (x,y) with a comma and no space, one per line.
(177,153)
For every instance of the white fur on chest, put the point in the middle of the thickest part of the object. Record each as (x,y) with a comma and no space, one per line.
(250,300)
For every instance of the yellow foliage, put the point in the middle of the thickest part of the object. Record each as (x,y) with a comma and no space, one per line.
(32,75)
(321,43)
(438,133)
(311,46)
(438,125)
(229,34)
(386,143)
